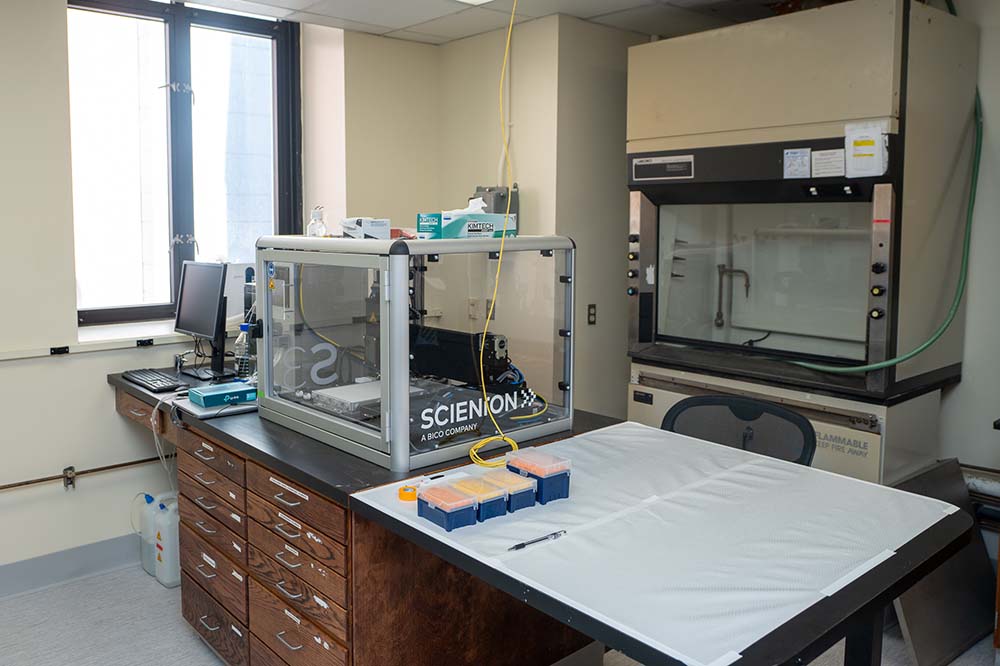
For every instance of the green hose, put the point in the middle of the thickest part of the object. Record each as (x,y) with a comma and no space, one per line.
(963,275)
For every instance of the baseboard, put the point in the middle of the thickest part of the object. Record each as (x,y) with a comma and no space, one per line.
(65,565)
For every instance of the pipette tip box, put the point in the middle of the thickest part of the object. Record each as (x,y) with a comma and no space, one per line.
(520,489)
(446,506)
(491,500)
(551,472)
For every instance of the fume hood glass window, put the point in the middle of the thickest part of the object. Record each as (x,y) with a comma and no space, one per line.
(523,357)
(324,330)
(782,277)
(118,120)
(233,143)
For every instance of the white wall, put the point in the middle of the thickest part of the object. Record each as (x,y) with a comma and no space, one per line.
(55,411)
(38,292)
(970,408)
(393,133)
(324,161)
(592,202)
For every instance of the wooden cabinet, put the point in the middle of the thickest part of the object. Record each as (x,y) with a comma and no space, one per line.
(275,575)
(212,531)
(326,577)
(224,634)
(299,534)
(292,590)
(211,480)
(298,502)
(281,579)
(224,581)
(289,634)
(233,518)
(214,455)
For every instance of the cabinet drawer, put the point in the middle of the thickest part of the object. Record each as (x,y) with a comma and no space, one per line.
(210,479)
(135,410)
(226,582)
(214,455)
(299,534)
(196,490)
(222,631)
(298,595)
(213,531)
(261,655)
(289,634)
(299,503)
(328,578)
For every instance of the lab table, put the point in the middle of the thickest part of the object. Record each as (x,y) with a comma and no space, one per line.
(401,592)
(679,551)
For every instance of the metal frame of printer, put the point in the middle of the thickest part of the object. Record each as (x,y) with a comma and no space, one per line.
(390,446)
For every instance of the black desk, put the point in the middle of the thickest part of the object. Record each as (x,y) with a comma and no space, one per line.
(327,470)
(855,612)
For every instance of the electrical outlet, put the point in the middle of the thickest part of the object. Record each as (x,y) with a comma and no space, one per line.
(592,314)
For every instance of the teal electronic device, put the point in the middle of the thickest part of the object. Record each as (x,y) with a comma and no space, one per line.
(218,395)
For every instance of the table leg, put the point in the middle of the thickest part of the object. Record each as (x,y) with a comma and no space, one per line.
(864,641)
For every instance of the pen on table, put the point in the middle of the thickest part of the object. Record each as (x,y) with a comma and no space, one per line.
(547,537)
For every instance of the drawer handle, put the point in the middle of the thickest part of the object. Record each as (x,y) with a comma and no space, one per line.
(203,481)
(289,535)
(201,526)
(205,506)
(281,637)
(281,586)
(205,624)
(138,413)
(202,572)
(281,499)
(279,556)
(199,454)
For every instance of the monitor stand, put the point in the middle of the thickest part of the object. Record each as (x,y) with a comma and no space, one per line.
(217,372)
(208,374)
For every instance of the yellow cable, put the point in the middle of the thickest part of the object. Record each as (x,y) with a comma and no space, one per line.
(302,308)
(500,436)
(545,408)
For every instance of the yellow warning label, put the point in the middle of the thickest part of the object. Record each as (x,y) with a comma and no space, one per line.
(158,537)
(864,142)
(159,558)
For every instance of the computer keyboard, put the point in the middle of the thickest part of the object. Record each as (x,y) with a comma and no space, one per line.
(153,380)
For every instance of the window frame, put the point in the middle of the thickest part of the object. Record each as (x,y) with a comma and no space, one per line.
(178,20)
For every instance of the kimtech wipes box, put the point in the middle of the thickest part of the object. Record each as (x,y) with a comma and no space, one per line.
(457,224)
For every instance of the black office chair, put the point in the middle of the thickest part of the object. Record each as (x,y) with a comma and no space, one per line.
(744,423)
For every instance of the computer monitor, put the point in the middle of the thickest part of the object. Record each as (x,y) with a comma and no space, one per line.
(201,313)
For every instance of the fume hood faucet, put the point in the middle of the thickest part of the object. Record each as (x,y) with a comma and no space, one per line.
(724,270)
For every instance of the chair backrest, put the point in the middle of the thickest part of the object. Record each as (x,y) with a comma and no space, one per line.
(745,423)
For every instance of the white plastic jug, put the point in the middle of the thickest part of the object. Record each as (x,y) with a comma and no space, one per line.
(147,528)
(168,565)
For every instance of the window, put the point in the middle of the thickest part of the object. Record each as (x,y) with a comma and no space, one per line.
(185,145)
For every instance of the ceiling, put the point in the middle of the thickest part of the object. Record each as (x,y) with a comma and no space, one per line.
(440,21)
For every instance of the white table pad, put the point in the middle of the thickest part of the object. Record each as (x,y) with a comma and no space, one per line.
(695,549)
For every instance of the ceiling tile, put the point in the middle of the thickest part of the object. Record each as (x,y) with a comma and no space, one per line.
(392,13)
(466,23)
(295,5)
(245,7)
(580,8)
(306,17)
(416,37)
(662,20)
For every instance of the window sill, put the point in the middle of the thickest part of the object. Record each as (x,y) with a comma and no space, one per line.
(160,331)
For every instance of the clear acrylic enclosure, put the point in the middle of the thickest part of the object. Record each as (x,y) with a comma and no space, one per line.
(378,347)
(784,276)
